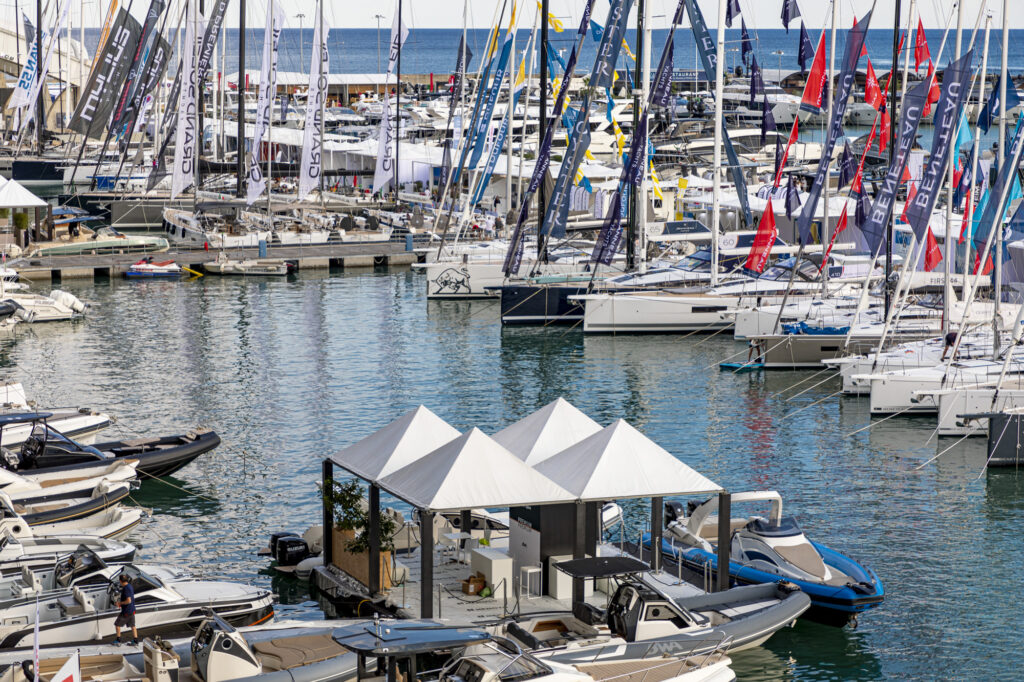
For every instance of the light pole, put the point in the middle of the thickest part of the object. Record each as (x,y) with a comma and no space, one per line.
(302,46)
(378,17)
(779,54)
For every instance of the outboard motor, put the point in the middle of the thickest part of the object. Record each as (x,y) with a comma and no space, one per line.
(219,653)
(69,300)
(674,511)
(290,550)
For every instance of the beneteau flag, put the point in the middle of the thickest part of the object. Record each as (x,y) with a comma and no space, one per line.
(881,209)
(847,77)
(956,82)
(185,149)
(268,85)
(312,134)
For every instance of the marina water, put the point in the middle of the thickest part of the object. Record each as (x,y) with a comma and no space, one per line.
(288,372)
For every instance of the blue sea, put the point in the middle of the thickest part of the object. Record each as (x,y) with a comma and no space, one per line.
(434,50)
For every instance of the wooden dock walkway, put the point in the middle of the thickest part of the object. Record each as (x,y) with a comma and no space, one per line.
(313,257)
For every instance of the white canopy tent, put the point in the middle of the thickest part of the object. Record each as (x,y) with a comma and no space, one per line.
(619,462)
(14,195)
(547,431)
(472,471)
(403,441)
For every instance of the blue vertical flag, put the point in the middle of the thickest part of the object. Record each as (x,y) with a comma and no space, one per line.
(847,166)
(997,202)
(756,82)
(483,124)
(992,109)
(792,198)
(596,30)
(790,11)
(805,52)
(779,153)
(767,120)
(732,10)
(956,82)
(847,77)
(746,44)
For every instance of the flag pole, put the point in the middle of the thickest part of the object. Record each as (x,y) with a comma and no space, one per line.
(997,273)
(893,127)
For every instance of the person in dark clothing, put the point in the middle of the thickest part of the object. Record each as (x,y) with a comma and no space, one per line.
(127,616)
(950,341)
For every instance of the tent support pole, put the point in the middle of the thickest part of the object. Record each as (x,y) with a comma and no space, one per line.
(724,514)
(327,476)
(579,549)
(657,505)
(426,564)
(373,530)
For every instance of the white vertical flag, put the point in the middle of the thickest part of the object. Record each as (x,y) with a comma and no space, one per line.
(312,149)
(38,78)
(386,140)
(185,145)
(27,79)
(71,671)
(268,86)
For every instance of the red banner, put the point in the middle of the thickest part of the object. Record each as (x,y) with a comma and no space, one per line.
(811,100)
(763,242)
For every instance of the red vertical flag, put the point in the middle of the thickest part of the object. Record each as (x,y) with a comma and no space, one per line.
(763,241)
(883,137)
(921,53)
(965,226)
(793,134)
(911,193)
(872,92)
(933,91)
(811,100)
(932,254)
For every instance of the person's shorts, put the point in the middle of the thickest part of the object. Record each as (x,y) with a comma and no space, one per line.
(125,620)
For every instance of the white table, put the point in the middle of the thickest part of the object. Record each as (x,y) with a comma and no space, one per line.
(456,540)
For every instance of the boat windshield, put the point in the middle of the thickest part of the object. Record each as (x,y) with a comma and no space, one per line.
(54,437)
(806,271)
(696,262)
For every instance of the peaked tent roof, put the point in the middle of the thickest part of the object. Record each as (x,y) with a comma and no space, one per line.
(14,195)
(469,472)
(619,462)
(547,431)
(401,442)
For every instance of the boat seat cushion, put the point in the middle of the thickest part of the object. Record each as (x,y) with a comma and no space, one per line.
(287,653)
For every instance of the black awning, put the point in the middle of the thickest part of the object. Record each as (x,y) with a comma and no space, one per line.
(602,567)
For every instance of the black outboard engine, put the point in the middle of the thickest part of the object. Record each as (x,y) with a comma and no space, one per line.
(290,550)
(674,511)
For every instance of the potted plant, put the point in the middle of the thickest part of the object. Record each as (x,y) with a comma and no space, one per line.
(350,544)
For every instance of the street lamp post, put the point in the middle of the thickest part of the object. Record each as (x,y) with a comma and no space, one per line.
(378,17)
(302,46)
(779,53)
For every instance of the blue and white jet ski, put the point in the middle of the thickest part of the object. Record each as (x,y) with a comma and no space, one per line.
(768,550)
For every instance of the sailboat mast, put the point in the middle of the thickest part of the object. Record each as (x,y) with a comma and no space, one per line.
(716,195)
(636,196)
(893,127)
(398,103)
(240,91)
(323,99)
(543,122)
(947,288)
(997,273)
(510,118)
(39,76)
(831,100)
(272,96)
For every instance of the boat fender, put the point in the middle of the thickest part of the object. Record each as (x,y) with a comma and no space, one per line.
(29,668)
(862,587)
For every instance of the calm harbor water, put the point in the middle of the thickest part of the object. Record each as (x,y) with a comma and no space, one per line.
(290,371)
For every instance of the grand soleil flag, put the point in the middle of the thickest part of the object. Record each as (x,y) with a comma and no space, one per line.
(386,138)
(956,81)
(312,135)
(185,150)
(847,76)
(268,86)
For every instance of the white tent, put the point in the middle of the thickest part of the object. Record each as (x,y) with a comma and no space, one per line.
(470,472)
(620,462)
(547,431)
(401,442)
(14,195)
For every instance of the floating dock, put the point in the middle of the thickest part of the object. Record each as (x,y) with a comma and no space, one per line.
(313,257)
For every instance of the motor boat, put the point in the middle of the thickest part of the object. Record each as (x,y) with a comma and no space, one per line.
(335,652)
(86,613)
(102,515)
(59,306)
(656,609)
(81,423)
(49,450)
(47,488)
(21,549)
(148,268)
(767,550)
(251,267)
(78,569)
(74,240)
